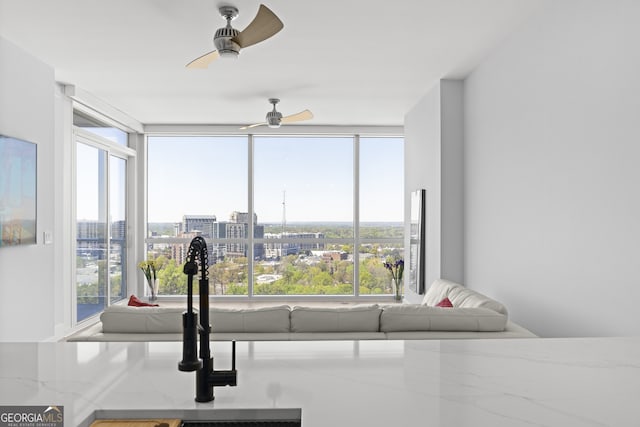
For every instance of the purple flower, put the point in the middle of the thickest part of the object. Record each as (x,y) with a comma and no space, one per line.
(396,268)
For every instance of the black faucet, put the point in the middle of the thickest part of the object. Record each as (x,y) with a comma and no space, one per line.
(206,376)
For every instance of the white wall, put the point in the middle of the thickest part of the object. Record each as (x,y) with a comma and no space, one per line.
(433,161)
(27,297)
(552,155)
(452,180)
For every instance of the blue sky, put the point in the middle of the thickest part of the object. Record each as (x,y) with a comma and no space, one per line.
(208,176)
(90,163)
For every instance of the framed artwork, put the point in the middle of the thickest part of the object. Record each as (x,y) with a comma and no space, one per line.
(18,171)
(417,241)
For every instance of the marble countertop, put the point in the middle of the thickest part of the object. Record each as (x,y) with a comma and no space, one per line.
(518,382)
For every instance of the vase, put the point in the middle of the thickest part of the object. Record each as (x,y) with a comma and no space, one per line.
(153,288)
(398,291)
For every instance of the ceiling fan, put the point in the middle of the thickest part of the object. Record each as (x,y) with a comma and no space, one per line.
(228,41)
(274,118)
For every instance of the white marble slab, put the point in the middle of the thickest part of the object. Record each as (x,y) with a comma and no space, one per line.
(520,382)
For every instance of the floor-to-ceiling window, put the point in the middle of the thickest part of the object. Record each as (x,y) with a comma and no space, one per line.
(381,197)
(303,191)
(91,230)
(282,215)
(194,184)
(101,158)
(117,261)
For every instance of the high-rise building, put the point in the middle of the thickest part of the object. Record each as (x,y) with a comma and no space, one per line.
(238,228)
(119,230)
(242,217)
(202,225)
(91,239)
(209,228)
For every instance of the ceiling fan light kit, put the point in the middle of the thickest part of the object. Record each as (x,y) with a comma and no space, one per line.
(224,39)
(274,118)
(229,41)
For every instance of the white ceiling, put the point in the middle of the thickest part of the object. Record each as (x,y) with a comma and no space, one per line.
(352,62)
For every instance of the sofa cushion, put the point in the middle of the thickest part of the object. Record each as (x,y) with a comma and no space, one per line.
(263,319)
(460,296)
(418,317)
(126,319)
(359,318)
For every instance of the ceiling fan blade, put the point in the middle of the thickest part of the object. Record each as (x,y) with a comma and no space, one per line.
(253,125)
(263,26)
(204,60)
(302,115)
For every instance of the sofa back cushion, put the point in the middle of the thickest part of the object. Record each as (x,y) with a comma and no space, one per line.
(359,318)
(127,319)
(263,319)
(460,296)
(418,317)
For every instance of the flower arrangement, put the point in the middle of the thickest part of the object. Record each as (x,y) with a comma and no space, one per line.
(150,269)
(396,267)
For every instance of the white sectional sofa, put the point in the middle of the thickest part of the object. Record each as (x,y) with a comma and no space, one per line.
(473,315)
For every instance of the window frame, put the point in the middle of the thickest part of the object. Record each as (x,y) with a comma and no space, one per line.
(356,133)
(111,148)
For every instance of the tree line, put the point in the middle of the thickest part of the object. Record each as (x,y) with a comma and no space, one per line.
(296,275)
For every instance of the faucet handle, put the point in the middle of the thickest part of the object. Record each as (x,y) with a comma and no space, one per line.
(190,361)
(226,377)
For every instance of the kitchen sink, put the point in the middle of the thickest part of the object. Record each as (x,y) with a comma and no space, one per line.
(271,423)
(273,417)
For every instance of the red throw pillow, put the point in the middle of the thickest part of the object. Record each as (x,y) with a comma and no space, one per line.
(445,303)
(134,301)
